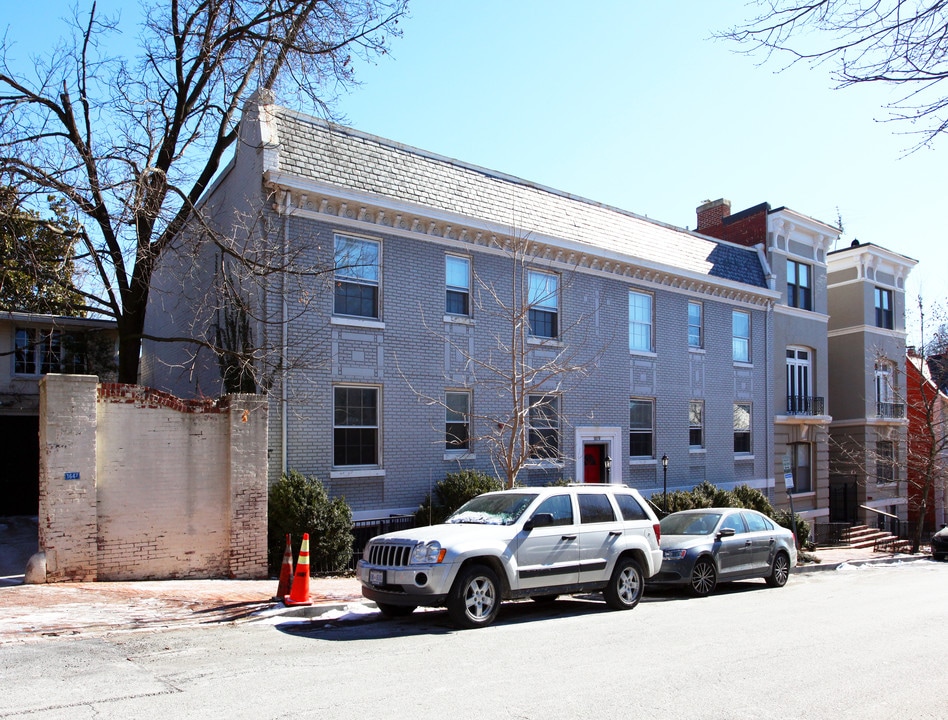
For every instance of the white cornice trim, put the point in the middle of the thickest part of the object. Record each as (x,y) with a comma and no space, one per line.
(802,314)
(868,330)
(373,214)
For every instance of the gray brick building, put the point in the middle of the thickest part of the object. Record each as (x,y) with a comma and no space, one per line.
(407,297)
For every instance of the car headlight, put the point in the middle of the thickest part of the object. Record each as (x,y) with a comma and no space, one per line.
(674,554)
(427,553)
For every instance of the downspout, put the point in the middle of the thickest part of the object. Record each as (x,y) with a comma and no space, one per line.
(771,477)
(284,333)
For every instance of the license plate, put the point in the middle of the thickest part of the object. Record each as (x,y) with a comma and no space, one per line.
(376,577)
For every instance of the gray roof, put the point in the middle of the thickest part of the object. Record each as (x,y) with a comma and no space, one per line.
(315,150)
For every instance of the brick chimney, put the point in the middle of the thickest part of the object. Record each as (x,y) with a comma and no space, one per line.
(711,214)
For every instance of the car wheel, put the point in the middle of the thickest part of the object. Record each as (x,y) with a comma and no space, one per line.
(393,611)
(703,578)
(625,586)
(780,572)
(544,598)
(474,600)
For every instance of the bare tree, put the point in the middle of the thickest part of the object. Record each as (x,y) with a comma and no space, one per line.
(132,143)
(523,372)
(893,42)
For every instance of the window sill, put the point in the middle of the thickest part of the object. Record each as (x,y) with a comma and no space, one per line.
(697,350)
(357,322)
(743,457)
(643,353)
(744,365)
(459,319)
(804,494)
(697,450)
(361,473)
(544,342)
(642,461)
(543,465)
(463,455)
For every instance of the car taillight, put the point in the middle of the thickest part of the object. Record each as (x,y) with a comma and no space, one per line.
(658,532)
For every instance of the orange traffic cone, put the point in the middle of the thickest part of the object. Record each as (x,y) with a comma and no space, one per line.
(286,572)
(299,594)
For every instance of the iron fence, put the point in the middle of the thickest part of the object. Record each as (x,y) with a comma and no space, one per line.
(365,530)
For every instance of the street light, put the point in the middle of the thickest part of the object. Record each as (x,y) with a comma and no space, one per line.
(607,463)
(665,483)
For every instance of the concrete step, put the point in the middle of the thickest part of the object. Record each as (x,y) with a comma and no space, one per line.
(862,536)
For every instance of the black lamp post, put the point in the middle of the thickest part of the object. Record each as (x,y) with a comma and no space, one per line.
(665,483)
(607,463)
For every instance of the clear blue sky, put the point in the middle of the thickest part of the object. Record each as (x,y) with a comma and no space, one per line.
(633,104)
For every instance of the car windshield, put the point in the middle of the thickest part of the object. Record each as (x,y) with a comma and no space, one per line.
(690,523)
(500,509)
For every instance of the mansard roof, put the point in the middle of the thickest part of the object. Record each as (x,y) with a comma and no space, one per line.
(321,154)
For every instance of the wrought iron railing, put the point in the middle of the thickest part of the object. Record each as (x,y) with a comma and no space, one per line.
(890,410)
(804,405)
(365,530)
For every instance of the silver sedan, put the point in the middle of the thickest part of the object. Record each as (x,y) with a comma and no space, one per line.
(701,548)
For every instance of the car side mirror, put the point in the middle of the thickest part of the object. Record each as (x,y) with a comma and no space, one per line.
(539,520)
(726,532)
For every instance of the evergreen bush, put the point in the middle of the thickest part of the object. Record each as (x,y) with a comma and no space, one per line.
(451,493)
(298,505)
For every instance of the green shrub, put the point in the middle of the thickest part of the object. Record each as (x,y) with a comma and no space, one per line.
(782,517)
(754,499)
(709,495)
(298,505)
(452,492)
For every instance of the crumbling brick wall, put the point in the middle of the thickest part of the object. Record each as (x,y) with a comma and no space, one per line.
(137,484)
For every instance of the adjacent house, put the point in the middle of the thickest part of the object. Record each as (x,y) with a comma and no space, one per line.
(31,346)
(927,466)
(868,432)
(415,310)
(795,247)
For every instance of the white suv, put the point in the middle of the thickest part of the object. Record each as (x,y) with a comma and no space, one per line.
(525,542)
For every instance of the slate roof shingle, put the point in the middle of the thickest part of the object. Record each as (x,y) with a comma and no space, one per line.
(315,150)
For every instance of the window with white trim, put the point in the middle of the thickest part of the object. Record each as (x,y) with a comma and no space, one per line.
(39,352)
(696,424)
(640,321)
(457,420)
(641,428)
(695,324)
(355,426)
(544,426)
(356,263)
(740,335)
(801,465)
(543,303)
(457,280)
(884,317)
(742,428)
(799,285)
(885,462)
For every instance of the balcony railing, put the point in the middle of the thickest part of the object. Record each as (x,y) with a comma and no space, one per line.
(802,405)
(890,410)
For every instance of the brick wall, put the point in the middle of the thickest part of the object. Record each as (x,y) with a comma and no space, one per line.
(137,484)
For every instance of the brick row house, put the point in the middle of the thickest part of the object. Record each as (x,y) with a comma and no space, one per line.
(926,379)
(866,288)
(796,248)
(721,351)
(386,361)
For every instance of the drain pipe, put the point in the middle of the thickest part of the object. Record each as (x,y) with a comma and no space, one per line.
(284,335)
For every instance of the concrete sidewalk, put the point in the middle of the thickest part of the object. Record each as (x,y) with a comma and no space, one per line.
(29,612)
(35,611)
